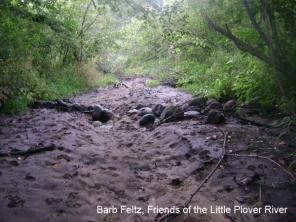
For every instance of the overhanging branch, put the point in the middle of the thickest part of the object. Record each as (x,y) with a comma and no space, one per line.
(238,42)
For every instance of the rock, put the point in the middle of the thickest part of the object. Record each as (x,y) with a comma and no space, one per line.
(145,110)
(191,114)
(139,106)
(97,113)
(100,114)
(106,116)
(187,108)
(132,112)
(197,102)
(214,104)
(229,106)
(215,117)
(158,109)
(97,123)
(172,112)
(147,119)
(170,82)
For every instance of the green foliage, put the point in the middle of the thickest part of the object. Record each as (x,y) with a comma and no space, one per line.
(152,83)
(42,43)
(27,85)
(65,81)
(232,75)
(107,79)
(176,41)
(41,46)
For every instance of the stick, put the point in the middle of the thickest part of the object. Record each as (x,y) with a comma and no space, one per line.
(168,216)
(213,171)
(30,151)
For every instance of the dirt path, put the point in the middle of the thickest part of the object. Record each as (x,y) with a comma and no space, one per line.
(119,163)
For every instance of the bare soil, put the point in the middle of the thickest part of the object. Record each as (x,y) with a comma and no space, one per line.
(120,163)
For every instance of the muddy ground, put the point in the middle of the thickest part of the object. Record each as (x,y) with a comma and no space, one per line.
(120,163)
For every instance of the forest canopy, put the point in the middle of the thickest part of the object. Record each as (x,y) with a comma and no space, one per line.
(242,49)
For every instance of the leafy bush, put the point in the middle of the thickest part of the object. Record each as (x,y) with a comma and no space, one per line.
(232,75)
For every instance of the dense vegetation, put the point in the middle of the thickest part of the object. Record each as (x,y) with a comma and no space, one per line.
(226,49)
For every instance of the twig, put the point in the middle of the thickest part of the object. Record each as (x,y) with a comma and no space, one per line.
(169,216)
(213,171)
(265,158)
(30,151)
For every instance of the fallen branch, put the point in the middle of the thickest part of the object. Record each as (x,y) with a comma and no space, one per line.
(213,171)
(266,158)
(62,105)
(170,216)
(30,151)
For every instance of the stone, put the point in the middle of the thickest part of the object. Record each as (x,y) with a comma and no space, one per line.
(139,106)
(215,117)
(187,108)
(172,112)
(97,123)
(133,112)
(214,104)
(97,113)
(100,114)
(229,106)
(191,114)
(106,116)
(158,109)
(146,120)
(145,110)
(197,102)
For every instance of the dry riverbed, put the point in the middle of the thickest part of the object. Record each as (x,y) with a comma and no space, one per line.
(122,165)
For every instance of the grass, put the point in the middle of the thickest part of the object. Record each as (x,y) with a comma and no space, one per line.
(15,105)
(96,78)
(152,83)
(65,82)
(107,79)
(60,82)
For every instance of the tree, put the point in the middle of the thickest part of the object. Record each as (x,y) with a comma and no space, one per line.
(273,30)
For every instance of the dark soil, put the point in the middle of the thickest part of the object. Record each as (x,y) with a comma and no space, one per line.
(121,163)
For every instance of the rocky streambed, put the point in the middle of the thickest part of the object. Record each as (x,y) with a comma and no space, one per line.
(155,150)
